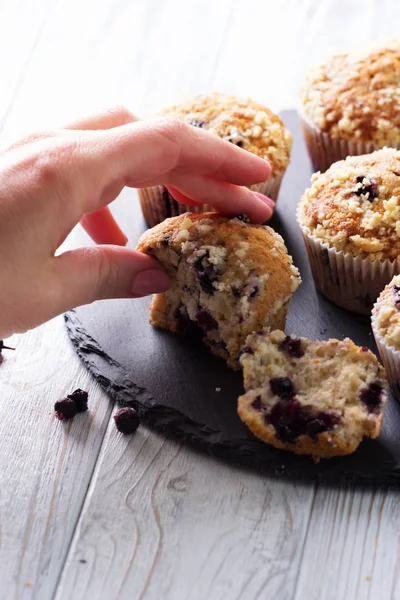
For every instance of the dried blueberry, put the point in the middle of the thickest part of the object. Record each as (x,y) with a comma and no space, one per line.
(396,292)
(292,346)
(80,397)
(65,409)
(282,387)
(370,190)
(127,420)
(371,396)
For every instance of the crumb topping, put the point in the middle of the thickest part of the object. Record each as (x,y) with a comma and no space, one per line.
(241,121)
(387,313)
(226,280)
(356,96)
(355,205)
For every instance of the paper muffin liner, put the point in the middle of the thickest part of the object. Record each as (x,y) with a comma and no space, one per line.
(324,149)
(351,282)
(389,355)
(158,204)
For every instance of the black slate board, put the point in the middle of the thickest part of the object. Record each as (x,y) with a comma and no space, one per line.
(173,381)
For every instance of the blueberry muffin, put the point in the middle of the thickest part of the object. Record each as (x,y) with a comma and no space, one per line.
(350,220)
(228,278)
(351,104)
(386,328)
(243,122)
(316,398)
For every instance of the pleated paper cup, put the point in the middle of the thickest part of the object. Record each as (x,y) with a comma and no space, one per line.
(389,355)
(351,282)
(324,149)
(158,204)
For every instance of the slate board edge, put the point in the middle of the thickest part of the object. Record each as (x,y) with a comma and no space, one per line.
(172,423)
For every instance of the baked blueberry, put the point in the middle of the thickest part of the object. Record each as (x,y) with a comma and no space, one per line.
(127,420)
(80,397)
(366,187)
(65,409)
(292,346)
(321,403)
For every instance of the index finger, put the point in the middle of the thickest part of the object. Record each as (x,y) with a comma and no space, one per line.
(146,153)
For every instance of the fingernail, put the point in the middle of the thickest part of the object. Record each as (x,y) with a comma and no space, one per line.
(265,199)
(150,281)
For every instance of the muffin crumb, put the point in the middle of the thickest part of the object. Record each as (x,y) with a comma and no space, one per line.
(316,398)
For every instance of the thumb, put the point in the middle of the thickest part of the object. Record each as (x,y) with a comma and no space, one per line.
(99,272)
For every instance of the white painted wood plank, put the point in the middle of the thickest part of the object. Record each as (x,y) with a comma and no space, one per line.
(162,521)
(21,24)
(352,546)
(141,54)
(45,466)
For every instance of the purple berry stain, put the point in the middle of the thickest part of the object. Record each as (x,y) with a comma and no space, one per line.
(282,387)
(292,347)
(127,420)
(206,273)
(371,396)
(290,421)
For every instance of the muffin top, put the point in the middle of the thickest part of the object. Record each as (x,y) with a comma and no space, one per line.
(355,205)
(386,314)
(240,121)
(356,96)
(229,277)
(233,248)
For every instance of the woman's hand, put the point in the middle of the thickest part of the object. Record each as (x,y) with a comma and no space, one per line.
(52,180)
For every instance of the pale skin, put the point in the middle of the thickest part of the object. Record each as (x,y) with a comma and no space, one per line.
(51,181)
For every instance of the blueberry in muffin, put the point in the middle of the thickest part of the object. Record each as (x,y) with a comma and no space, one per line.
(227,276)
(350,220)
(315,398)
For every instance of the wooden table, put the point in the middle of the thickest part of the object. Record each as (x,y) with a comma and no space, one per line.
(86,513)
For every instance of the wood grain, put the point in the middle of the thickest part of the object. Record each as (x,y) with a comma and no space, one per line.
(159,520)
(162,521)
(45,466)
(353,546)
